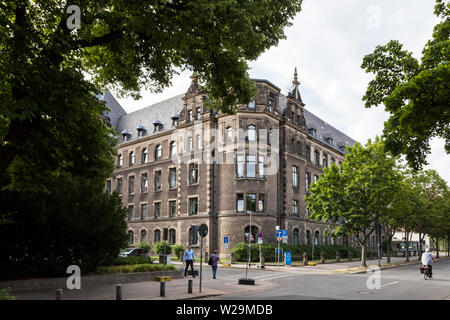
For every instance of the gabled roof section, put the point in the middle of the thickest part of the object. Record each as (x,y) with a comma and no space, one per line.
(115,109)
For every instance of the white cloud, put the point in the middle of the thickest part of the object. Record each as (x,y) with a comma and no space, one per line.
(327,42)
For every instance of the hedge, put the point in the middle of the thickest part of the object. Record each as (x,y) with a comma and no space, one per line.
(119,261)
(134,268)
(268,249)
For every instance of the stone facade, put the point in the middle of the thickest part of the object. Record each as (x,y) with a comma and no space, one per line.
(225,167)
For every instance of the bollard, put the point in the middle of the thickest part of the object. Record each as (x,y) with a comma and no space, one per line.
(59,294)
(305,258)
(338,256)
(232,260)
(190,282)
(350,257)
(322,257)
(262,261)
(162,289)
(119,292)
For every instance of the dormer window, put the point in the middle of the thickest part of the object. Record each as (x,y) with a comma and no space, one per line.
(141,130)
(251,105)
(312,131)
(158,125)
(330,141)
(126,135)
(175,118)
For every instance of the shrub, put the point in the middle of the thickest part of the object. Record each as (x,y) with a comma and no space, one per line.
(240,251)
(119,261)
(4,294)
(144,245)
(177,249)
(158,247)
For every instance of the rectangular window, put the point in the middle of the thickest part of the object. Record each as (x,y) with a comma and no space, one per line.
(240,166)
(316,178)
(251,202)
(157,209)
(144,183)
(158,180)
(251,166)
(193,173)
(199,113)
(190,118)
(261,203)
(189,146)
(198,142)
(130,213)
(119,186)
(172,178)
(307,180)
(261,166)
(240,202)
(193,206)
(131,185)
(144,155)
(132,158)
(229,135)
(172,208)
(108,187)
(144,211)
(295,176)
(295,207)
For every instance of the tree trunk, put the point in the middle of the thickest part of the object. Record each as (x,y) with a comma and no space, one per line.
(437,247)
(363,255)
(388,250)
(420,246)
(407,244)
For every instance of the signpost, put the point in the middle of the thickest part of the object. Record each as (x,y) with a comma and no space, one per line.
(225,242)
(202,231)
(259,236)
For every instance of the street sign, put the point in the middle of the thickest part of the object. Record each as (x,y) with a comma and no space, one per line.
(279,235)
(287,258)
(225,242)
(260,241)
(259,235)
(278,251)
(203,230)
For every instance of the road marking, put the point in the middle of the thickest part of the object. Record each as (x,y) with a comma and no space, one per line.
(388,284)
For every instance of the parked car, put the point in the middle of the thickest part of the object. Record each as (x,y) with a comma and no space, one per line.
(133,252)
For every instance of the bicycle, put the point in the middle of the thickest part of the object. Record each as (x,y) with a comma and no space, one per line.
(426,272)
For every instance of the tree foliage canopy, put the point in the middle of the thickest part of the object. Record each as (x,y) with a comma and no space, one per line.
(415,93)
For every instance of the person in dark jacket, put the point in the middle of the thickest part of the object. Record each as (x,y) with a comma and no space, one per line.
(214,259)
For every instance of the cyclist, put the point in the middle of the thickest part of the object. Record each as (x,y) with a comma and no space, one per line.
(427,260)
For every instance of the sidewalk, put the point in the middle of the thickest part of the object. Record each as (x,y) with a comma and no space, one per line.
(332,268)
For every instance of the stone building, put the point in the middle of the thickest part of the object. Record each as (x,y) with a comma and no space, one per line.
(181,165)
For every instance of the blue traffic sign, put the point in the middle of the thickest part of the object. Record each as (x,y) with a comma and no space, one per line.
(225,239)
(287,258)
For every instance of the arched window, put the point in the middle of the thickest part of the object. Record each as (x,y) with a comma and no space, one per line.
(229,135)
(308,237)
(193,236)
(157,236)
(308,153)
(131,158)
(270,136)
(316,157)
(316,238)
(158,152)
(299,149)
(251,132)
(254,234)
(144,155)
(172,236)
(144,236)
(295,234)
(173,149)
(325,160)
(130,237)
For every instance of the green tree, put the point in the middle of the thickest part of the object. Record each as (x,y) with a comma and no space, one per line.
(356,195)
(415,93)
(125,45)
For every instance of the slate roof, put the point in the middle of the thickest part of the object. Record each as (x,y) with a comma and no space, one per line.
(323,129)
(162,111)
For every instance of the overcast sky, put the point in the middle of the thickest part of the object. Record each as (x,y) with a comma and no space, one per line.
(327,42)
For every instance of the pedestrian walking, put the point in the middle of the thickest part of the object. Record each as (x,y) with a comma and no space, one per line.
(213,260)
(189,258)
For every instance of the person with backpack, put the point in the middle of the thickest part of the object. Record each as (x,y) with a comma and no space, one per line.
(213,260)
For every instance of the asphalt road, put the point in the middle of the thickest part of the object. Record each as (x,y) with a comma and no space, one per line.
(395,284)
